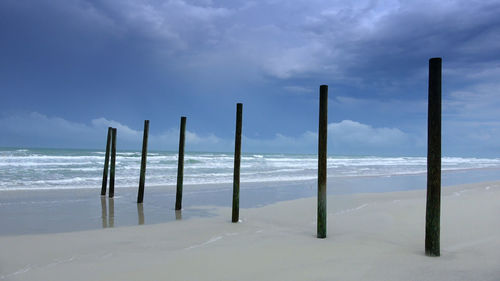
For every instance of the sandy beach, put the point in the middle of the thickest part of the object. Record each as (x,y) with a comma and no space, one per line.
(371,236)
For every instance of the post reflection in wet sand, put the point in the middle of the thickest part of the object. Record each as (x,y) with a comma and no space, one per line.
(104,212)
(111,215)
(107,215)
(178,214)
(140,213)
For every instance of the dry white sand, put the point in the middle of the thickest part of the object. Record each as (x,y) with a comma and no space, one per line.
(370,237)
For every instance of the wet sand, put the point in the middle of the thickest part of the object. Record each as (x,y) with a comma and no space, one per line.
(371,236)
(54,211)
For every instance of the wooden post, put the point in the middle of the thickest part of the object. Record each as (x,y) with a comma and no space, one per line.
(433,207)
(237,160)
(106,163)
(142,179)
(322,158)
(180,164)
(113,161)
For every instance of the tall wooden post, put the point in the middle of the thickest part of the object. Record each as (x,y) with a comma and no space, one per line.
(142,179)
(113,161)
(322,158)
(180,164)
(433,208)
(106,163)
(237,160)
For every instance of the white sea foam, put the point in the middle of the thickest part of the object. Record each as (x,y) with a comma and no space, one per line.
(54,169)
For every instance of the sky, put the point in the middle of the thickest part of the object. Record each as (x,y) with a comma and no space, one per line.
(71,68)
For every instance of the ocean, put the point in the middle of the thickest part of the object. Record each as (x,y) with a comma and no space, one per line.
(28,169)
(53,190)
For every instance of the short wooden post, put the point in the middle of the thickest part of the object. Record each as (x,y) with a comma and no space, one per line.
(180,164)
(113,161)
(433,207)
(237,160)
(142,179)
(322,158)
(106,163)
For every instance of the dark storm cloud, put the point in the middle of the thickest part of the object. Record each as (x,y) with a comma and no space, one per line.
(73,59)
(346,40)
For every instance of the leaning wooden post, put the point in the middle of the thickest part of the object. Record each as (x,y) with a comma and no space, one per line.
(142,179)
(113,161)
(237,160)
(433,208)
(322,157)
(180,165)
(106,163)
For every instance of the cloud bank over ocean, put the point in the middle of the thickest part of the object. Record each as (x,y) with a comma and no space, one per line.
(347,136)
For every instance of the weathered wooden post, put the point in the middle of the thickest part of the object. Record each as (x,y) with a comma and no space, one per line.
(237,160)
(180,164)
(433,208)
(106,163)
(142,179)
(322,158)
(113,161)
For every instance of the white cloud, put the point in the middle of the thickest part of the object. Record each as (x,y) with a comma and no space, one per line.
(38,124)
(357,138)
(196,139)
(125,131)
(38,130)
(352,132)
(347,137)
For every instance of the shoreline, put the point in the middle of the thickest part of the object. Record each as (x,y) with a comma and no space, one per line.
(68,210)
(481,171)
(56,169)
(371,236)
